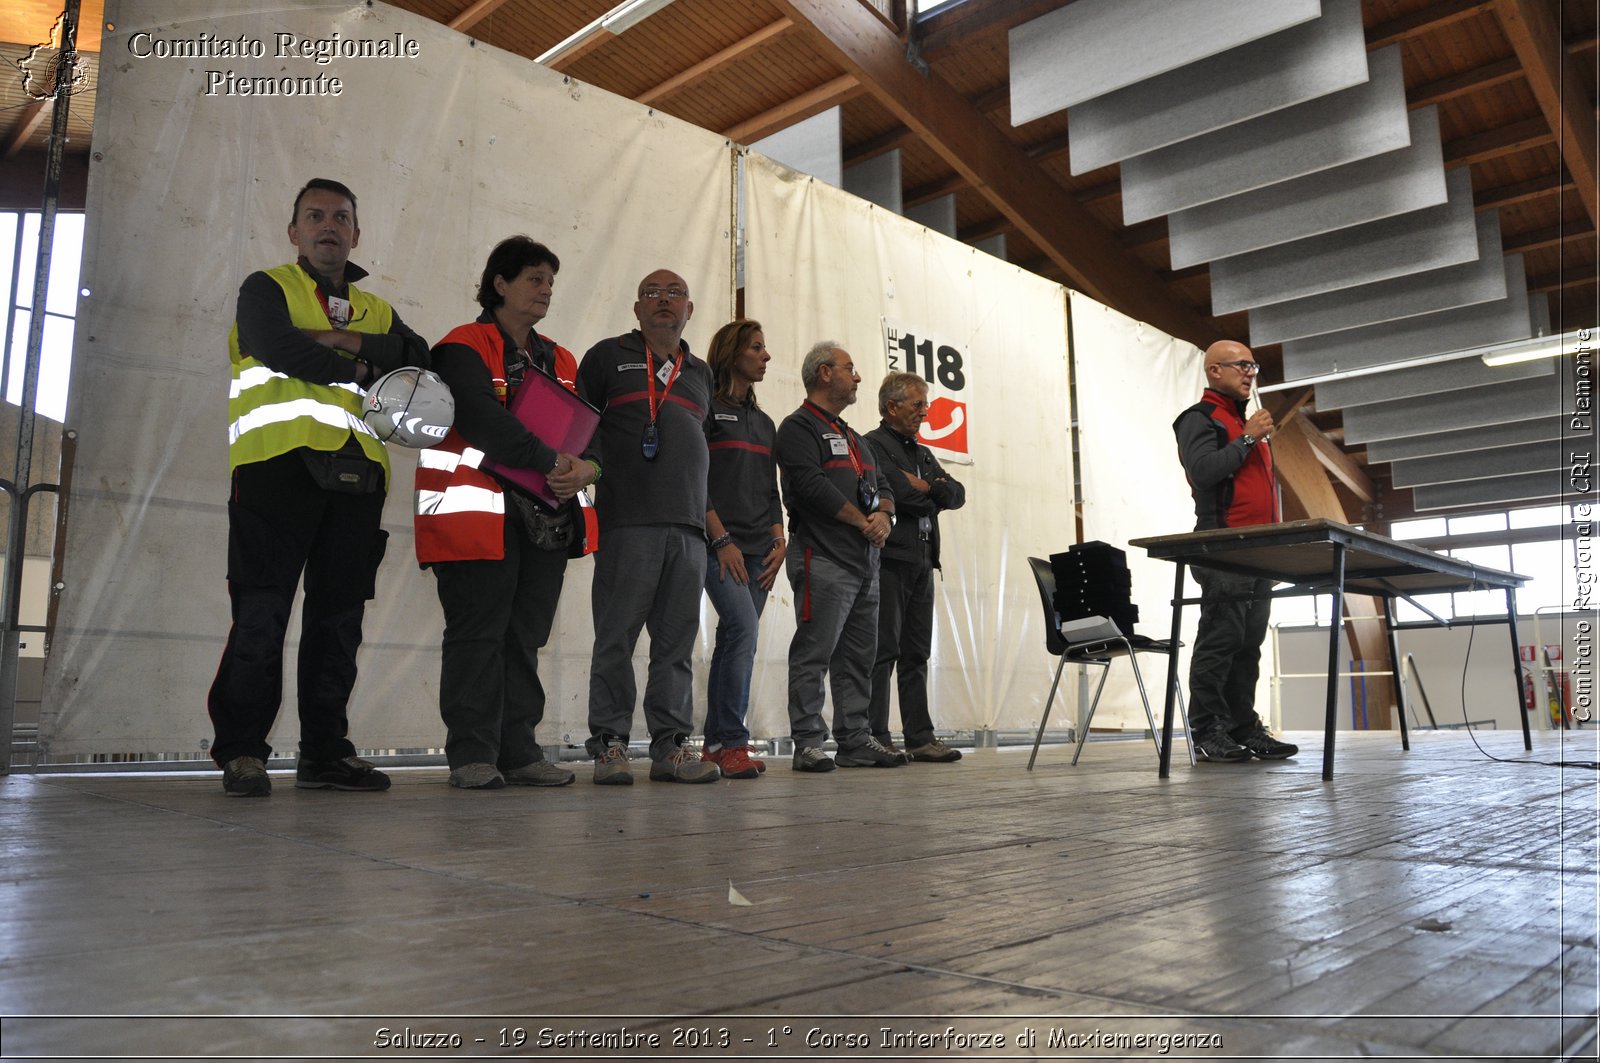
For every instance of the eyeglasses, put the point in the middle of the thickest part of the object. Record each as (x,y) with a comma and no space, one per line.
(920,404)
(1247,368)
(655,293)
(848,367)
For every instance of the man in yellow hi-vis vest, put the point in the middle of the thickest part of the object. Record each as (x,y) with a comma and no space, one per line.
(308,484)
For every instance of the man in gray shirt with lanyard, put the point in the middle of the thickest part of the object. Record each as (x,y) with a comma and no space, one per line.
(650,458)
(841,510)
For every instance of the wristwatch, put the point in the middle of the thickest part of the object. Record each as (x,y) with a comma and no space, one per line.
(1249,440)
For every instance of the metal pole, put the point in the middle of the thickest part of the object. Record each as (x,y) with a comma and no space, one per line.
(10,606)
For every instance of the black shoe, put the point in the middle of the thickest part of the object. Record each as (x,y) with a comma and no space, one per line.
(1263,745)
(1217,745)
(350,773)
(869,754)
(246,777)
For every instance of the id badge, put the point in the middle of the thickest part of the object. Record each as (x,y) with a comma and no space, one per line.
(338,311)
(651,445)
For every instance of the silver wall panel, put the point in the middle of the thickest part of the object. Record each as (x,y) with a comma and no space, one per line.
(1504,461)
(1425,380)
(1416,337)
(814,146)
(1481,281)
(994,245)
(1497,491)
(1433,238)
(1377,187)
(1311,60)
(877,179)
(1464,440)
(937,214)
(1539,312)
(1093,47)
(1451,410)
(1342,127)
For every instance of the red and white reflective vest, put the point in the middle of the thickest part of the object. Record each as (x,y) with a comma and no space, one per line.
(461,510)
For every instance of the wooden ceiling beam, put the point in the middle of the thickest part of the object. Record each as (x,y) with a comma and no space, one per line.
(1425,21)
(981,154)
(993,227)
(30,116)
(1539,239)
(1148,232)
(772,31)
(1493,143)
(474,13)
(1565,278)
(829,94)
(1339,464)
(1562,95)
(1483,77)
(1521,192)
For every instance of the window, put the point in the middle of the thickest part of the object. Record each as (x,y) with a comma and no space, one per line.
(19,243)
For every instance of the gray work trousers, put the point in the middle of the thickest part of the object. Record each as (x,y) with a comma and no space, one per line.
(839,640)
(647,576)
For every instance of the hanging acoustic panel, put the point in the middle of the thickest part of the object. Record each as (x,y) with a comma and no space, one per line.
(1342,127)
(1093,47)
(1304,63)
(1479,281)
(1467,440)
(1377,187)
(1416,337)
(1493,491)
(1542,456)
(1451,410)
(1456,375)
(1427,239)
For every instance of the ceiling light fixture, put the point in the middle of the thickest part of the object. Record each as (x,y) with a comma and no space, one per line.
(1494,354)
(613,23)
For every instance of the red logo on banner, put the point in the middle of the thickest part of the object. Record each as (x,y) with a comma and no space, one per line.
(946,426)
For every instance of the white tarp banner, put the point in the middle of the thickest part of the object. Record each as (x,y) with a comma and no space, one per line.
(1132,382)
(450,146)
(822,264)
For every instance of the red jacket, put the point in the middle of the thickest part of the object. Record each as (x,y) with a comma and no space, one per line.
(460,509)
(1233,484)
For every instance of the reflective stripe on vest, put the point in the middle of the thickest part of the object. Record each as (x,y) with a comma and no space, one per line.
(460,510)
(271,413)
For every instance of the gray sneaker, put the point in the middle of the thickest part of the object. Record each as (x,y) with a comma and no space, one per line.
(811,758)
(869,754)
(684,766)
(539,773)
(611,767)
(246,777)
(480,776)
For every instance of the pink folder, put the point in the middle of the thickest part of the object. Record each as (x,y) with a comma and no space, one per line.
(556,415)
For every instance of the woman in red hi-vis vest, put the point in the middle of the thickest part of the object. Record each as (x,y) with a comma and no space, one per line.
(499,553)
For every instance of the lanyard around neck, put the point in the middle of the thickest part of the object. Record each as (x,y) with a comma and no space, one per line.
(650,380)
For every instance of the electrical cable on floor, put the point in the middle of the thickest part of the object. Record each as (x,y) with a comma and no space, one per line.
(1472,630)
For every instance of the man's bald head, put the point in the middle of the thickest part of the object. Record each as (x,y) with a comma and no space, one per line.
(1229,368)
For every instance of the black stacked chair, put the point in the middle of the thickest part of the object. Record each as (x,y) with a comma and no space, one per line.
(1087,589)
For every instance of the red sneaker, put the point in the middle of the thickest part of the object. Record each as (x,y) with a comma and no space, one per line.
(735,763)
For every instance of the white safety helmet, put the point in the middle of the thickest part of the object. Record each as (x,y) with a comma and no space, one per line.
(410,406)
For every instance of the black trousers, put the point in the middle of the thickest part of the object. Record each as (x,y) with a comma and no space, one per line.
(281,526)
(905,639)
(497,616)
(1227,652)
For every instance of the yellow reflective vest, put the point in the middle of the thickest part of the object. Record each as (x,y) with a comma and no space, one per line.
(271,413)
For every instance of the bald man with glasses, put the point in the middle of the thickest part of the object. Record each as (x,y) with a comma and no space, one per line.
(1229,466)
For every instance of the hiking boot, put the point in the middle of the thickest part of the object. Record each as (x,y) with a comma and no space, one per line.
(476,777)
(734,762)
(346,773)
(246,777)
(935,752)
(869,754)
(684,766)
(611,767)
(812,758)
(1263,745)
(1216,744)
(539,773)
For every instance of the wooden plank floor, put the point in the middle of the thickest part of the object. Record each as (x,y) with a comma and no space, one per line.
(1431,903)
